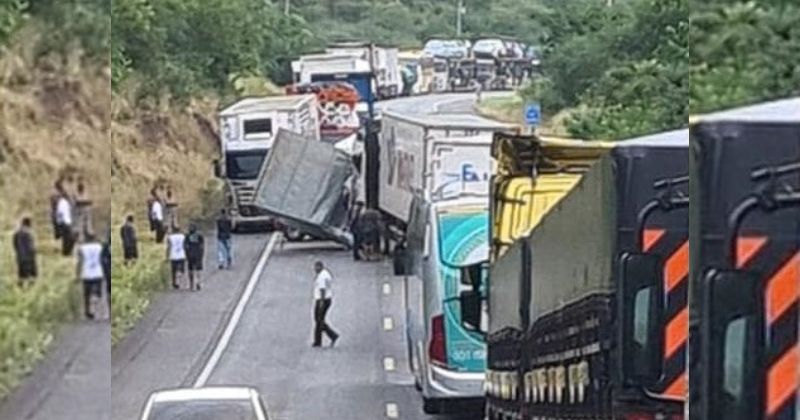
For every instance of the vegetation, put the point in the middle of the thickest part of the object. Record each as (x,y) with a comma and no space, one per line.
(743,52)
(57,47)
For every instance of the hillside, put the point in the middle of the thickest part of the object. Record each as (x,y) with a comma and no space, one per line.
(53,116)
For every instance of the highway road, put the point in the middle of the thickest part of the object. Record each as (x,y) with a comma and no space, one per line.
(253,326)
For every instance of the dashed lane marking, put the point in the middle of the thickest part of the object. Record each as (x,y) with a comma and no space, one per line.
(388,323)
(389,364)
(387,289)
(392,411)
(230,328)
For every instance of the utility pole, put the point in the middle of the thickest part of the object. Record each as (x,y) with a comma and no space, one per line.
(459,13)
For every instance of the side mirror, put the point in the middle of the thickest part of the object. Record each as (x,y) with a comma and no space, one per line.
(217,168)
(471,309)
(733,325)
(641,307)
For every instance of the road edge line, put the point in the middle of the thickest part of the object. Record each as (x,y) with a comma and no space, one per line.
(233,322)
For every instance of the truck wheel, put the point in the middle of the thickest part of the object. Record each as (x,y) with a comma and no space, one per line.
(431,406)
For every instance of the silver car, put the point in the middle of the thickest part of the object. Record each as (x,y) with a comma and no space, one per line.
(212,403)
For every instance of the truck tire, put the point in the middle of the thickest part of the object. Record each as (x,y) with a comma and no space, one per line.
(431,406)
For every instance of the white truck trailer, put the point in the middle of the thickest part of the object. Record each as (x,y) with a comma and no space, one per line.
(434,157)
(247,132)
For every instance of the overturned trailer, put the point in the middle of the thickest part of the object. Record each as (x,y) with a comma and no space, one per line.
(307,185)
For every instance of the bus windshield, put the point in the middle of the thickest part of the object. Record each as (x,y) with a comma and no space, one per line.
(244,165)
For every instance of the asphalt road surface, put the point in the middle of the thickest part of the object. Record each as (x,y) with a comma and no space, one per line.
(365,376)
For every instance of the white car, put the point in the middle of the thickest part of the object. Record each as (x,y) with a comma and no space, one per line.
(212,403)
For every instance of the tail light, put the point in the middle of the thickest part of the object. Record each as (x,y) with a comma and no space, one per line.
(437,349)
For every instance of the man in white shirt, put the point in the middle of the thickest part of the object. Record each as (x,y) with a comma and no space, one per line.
(64,223)
(157,217)
(90,271)
(176,254)
(323,297)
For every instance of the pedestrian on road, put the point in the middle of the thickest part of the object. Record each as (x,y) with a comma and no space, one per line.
(90,271)
(157,215)
(58,192)
(195,253)
(150,201)
(106,257)
(224,240)
(323,298)
(176,254)
(64,221)
(130,246)
(25,250)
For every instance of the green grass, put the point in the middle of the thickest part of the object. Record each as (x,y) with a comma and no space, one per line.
(506,108)
(31,316)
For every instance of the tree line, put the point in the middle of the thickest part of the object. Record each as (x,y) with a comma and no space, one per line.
(620,68)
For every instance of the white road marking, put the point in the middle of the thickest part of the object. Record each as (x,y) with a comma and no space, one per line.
(392,411)
(225,339)
(387,289)
(388,323)
(388,364)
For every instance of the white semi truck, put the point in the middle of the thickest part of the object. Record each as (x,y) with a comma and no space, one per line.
(247,132)
(435,157)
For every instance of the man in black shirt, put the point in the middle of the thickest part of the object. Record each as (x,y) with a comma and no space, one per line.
(224,242)
(130,247)
(25,250)
(195,252)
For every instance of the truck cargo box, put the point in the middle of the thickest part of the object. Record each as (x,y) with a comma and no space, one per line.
(746,229)
(303,183)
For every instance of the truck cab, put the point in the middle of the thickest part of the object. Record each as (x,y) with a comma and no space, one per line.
(247,131)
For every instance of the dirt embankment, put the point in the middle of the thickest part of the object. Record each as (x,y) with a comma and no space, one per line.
(53,116)
(175,145)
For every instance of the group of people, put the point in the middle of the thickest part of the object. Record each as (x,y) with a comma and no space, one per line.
(71,218)
(185,252)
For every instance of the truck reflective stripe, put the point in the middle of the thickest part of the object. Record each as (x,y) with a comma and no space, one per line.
(679,387)
(783,289)
(677,333)
(676,269)
(650,237)
(782,380)
(747,248)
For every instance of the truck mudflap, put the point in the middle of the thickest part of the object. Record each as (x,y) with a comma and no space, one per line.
(305,184)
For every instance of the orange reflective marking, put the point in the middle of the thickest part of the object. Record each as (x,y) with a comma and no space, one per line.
(782,380)
(678,388)
(747,248)
(676,333)
(650,237)
(783,289)
(677,267)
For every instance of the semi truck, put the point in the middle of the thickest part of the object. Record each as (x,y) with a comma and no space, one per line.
(433,156)
(587,312)
(247,132)
(745,264)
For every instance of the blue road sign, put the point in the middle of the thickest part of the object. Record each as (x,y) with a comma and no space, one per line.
(533,114)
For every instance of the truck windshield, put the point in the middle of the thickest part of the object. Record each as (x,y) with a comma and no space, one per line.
(463,237)
(244,165)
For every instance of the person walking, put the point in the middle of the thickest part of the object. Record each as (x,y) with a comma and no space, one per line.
(106,257)
(157,216)
(224,240)
(323,298)
(58,192)
(83,210)
(25,250)
(176,254)
(90,271)
(64,221)
(130,246)
(195,253)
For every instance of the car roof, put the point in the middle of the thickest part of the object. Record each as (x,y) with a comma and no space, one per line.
(208,393)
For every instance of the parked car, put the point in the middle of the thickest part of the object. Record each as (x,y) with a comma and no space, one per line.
(211,403)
